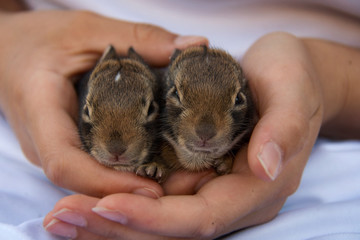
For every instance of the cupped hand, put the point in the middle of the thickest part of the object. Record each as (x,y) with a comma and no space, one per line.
(289,98)
(42,52)
(202,206)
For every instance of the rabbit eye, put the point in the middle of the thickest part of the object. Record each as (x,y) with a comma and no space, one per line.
(151,109)
(176,94)
(240,99)
(174,97)
(86,111)
(86,114)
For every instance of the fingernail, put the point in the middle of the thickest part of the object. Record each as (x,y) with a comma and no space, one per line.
(182,42)
(66,215)
(61,229)
(147,192)
(111,215)
(270,157)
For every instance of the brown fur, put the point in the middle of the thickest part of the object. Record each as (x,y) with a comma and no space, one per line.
(118,114)
(209,110)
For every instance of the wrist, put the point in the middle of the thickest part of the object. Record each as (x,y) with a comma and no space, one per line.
(337,70)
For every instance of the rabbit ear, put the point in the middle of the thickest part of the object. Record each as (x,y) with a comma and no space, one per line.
(132,54)
(243,82)
(243,79)
(109,53)
(174,55)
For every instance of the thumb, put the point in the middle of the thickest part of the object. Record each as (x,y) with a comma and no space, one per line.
(279,135)
(288,101)
(153,43)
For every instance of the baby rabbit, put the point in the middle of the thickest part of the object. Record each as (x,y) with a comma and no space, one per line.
(209,112)
(118,109)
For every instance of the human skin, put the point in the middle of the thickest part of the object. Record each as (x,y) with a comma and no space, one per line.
(299,86)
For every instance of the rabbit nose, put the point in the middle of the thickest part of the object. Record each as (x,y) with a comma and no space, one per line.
(116,148)
(118,154)
(205,132)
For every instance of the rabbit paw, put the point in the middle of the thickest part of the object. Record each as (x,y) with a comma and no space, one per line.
(152,170)
(223,165)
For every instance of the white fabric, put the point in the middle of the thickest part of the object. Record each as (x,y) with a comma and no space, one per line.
(327,203)
(232,24)
(26,195)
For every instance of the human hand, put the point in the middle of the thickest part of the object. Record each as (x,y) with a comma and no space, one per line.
(44,51)
(289,102)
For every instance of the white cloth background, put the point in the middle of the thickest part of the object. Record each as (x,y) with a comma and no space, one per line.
(327,203)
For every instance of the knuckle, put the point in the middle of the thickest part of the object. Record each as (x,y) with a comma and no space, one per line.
(76,23)
(298,131)
(207,231)
(300,127)
(68,201)
(82,16)
(113,233)
(270,212)
(143,32)
(209,226)
(71,202)
(53,169)
(289,187)
(72,26)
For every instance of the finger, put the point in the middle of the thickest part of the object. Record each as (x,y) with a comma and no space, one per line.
(288,102)
(83,212)
(69,231)
(70,223)
(187,183)
(155,44)
(189,216)
(160,217)
(223,205)
(206,214)
(59,148)
(73,216)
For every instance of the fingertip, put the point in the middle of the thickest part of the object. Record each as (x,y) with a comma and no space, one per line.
(112,215)
(270,160)
(159,53)
(187,183)
(148,192)
(258,170)
(61,229)
(47,219)
(265,154)
(182,42)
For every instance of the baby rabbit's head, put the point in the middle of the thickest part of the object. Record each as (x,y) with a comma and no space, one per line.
(118,117)
(208,105)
